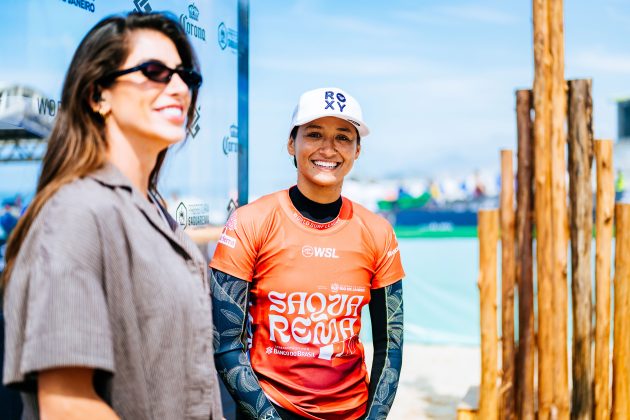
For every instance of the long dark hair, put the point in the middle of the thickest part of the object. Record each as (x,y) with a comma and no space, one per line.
(77,145)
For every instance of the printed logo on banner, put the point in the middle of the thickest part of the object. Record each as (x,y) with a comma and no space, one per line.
(232,205)
(227,37)
(193,214)
(182,215)
(82,4)
(230,141)
(193,12)
(47,106)
(142,6)
(194,128)
(191,28)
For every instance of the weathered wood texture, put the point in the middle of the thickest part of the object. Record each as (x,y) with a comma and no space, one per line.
(488,233)
(542,203)
(580,141)
(524,268)
(604,212)
(466,415)
(560,225)
(506,210)
(621,327)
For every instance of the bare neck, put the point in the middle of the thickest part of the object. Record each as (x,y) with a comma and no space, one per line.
(135,158)
(318,194)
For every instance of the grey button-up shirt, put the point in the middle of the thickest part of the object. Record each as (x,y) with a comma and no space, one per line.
(103,281)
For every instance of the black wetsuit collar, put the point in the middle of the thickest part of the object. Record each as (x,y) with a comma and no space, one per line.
(316,212)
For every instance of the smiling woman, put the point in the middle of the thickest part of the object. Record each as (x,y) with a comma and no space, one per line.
(292,272)
(106,300)
(324,154)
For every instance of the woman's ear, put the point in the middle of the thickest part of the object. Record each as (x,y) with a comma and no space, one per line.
(99,102)
(291,146)
(95,98)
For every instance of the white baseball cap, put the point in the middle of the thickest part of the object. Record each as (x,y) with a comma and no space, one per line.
(328,102)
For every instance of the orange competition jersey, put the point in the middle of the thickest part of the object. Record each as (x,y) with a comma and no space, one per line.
(309,283)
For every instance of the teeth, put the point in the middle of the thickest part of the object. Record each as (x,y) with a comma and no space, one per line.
(325,164)
(171,111)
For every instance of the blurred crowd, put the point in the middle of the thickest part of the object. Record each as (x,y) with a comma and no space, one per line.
(12,209)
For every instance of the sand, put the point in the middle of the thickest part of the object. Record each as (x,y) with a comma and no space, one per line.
(433,381)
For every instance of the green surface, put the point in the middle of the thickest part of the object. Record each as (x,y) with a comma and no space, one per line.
(428,231)
(404,203)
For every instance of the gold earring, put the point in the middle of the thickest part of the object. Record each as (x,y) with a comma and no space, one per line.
(103,113)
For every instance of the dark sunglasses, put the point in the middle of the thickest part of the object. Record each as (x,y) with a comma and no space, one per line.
(158,72)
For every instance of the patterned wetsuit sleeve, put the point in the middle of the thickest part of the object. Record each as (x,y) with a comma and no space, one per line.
(229,303)
(386,313)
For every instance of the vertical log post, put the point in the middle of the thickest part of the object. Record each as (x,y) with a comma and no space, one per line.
(524,271)
(621,327)
(542,201)
(488,228)
(603,246)
(506,209)
(559,216)
(581,223)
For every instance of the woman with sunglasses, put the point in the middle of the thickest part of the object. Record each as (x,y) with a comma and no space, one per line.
(106,301)
(292,272)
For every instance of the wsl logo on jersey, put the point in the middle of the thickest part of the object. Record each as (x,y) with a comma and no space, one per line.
(190,23)
(320,252)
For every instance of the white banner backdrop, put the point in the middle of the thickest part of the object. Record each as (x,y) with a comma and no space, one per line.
(38,39)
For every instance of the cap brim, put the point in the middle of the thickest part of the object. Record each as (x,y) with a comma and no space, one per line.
(358,124)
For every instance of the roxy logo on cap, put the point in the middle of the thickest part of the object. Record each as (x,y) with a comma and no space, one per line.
(334,101)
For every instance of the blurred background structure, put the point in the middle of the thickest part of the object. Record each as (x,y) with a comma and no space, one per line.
(436,81)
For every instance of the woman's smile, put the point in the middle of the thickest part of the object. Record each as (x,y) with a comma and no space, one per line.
(326,165)
(173,113)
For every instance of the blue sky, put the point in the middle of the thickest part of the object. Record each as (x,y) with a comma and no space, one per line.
(436,79)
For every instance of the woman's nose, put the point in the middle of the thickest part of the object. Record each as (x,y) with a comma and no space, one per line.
(328,145)
(177,85)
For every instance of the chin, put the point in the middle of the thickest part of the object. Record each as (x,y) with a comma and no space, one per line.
(327,183)
(171,136)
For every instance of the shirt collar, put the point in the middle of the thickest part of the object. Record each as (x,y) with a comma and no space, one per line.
(111,176)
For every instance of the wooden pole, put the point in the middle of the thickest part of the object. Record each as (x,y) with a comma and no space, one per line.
(559,216)
(581,201)
(621,328)
(488,232)
(507,395)
(603,240)
(524,272)
(542,201)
